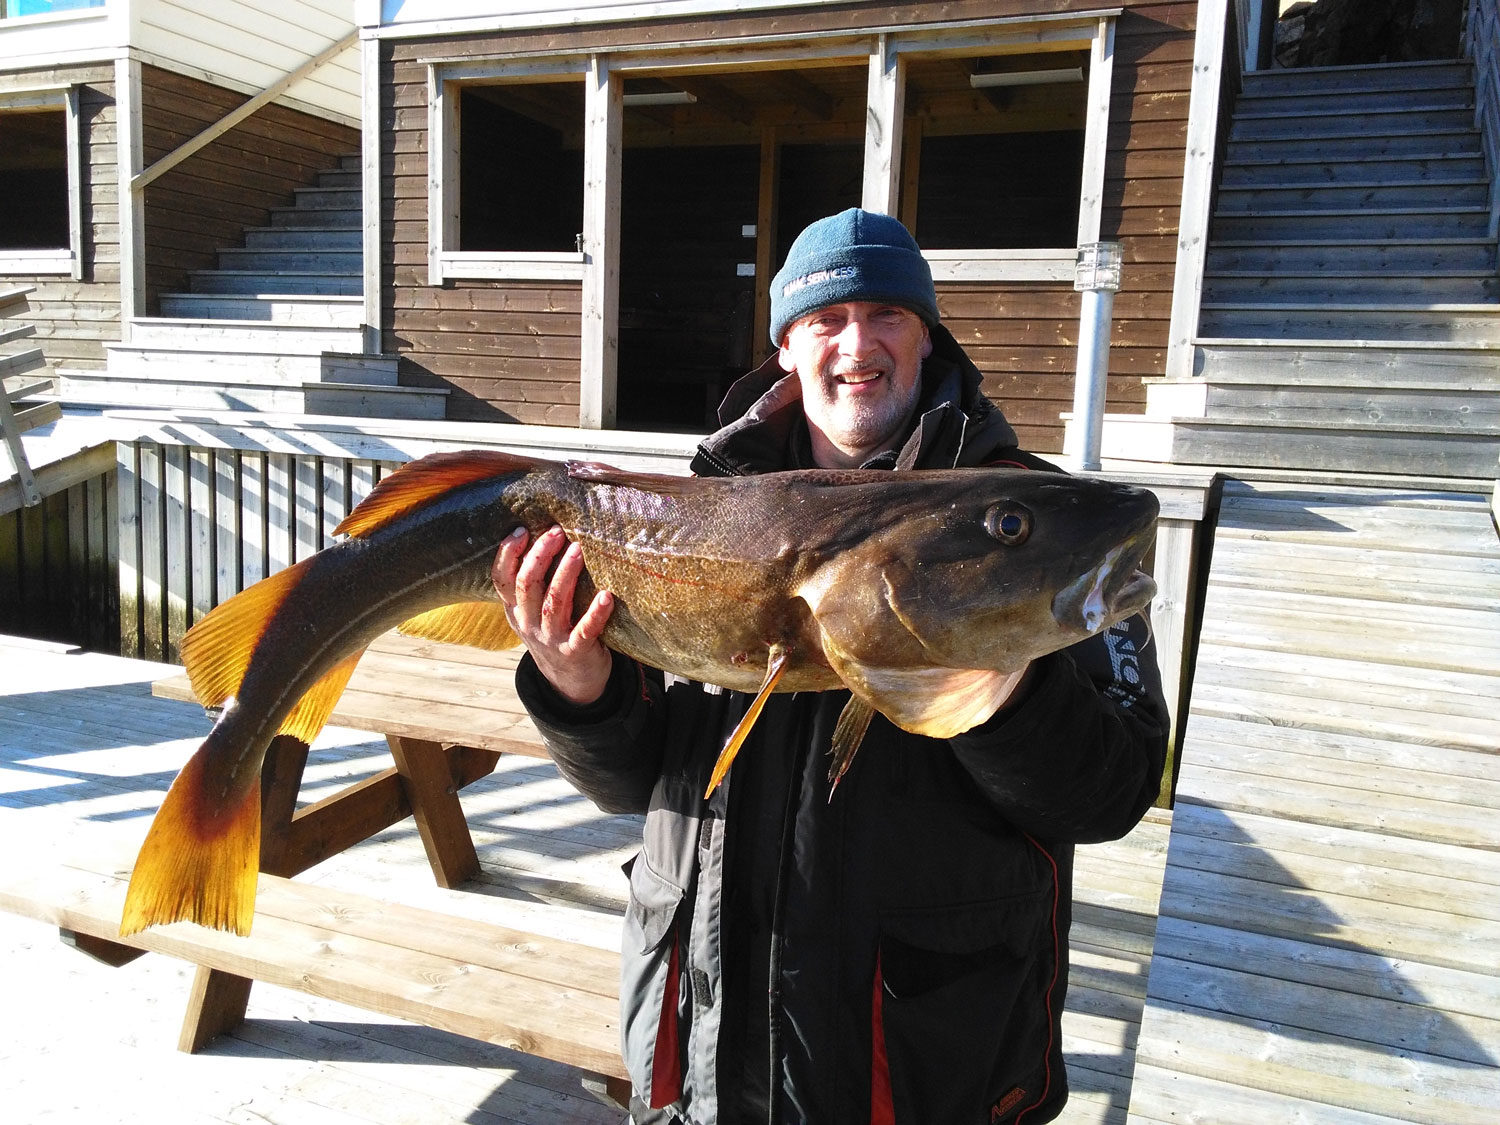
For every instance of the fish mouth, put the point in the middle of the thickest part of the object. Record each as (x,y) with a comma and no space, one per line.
(1109,592)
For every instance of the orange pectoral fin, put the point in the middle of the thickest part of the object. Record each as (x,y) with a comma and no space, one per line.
(478,624)
(197,866)
(422,481)
(775,667)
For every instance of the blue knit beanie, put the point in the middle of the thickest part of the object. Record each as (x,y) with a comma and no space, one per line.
(852,256)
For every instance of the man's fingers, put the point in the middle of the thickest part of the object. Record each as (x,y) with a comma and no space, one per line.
(557,606)
(507,562)
(531,575)
(591,623)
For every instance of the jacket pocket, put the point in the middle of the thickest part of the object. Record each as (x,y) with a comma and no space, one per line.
(962,1016)
(653,905)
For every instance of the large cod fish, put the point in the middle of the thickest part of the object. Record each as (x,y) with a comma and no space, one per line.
(919,592)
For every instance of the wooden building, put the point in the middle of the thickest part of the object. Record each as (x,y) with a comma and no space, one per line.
(580,210)
(106,211)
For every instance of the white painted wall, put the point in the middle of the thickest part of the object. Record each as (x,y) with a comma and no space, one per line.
(247,45)
(244,45)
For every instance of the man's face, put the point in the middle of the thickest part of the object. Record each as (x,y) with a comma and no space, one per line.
(859,365)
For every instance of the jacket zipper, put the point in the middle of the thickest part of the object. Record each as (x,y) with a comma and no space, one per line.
(778,923)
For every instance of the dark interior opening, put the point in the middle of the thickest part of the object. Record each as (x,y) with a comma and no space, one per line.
(34,180)
(521,178)
(1000,190)
(686,307)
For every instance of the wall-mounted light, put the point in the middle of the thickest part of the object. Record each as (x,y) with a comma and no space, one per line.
(664,97)
(1027,77)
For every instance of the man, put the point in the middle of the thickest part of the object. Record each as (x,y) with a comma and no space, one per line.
(899,953)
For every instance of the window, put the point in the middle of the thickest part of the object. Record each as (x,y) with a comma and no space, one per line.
(40,223)
(508,170)
(10,9)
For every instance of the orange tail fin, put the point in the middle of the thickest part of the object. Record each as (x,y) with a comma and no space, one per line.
(196,868)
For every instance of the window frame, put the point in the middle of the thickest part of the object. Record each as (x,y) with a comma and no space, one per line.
(62,261)
(884,51)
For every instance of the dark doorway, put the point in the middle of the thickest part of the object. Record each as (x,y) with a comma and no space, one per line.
(687,227)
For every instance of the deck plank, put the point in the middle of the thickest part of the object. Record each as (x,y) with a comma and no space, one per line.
(1328,920)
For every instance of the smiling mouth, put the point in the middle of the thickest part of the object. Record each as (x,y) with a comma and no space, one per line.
(858,378)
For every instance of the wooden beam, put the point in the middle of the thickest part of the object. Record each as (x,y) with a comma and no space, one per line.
(718,98)
(765,241)
(1197,187)
(244,110)
(885,108)
(600,345)
(802,92)
(1096,132)
(370,191)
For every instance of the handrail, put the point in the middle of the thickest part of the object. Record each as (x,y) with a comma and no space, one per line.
(239,113)
(1482,46)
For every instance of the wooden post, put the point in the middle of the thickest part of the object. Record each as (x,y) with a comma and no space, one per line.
(599,365)
(765,242)
(218,1000)
(884,109)
(433,794)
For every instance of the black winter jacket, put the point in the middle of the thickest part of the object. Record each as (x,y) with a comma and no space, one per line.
(897,954)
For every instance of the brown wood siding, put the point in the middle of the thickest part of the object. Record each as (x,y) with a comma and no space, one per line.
(1022,336)
(206,202)
(74,319)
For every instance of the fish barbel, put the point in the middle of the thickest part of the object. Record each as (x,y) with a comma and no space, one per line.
(921,593)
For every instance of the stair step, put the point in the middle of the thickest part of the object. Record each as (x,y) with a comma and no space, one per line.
(304,238)
(1351,195)
(1460,141)
(1314,122)
(334,261)
(1453,409)
(257,336)
(1363,255)
(1422,287)
(321,217)
(99,388)
(1454,323)
(1283,104)
(351,162)
(1365,365)
(281,308)
(1384,448)
(1356,77)
(208,365)
(327,199)
(1390,222)
(342,178)
(1268,102)
(365,401)
(1317,168)
(241,281)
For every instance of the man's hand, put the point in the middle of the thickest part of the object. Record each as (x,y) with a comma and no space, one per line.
(568,654)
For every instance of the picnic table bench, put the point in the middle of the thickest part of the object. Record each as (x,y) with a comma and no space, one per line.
(541,995)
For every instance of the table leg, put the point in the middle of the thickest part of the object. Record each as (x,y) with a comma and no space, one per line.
(219,1000)
(430,788)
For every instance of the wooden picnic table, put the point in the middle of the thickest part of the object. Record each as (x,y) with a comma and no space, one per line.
(447,711)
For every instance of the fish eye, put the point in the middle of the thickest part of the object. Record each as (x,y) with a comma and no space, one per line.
(1009,523)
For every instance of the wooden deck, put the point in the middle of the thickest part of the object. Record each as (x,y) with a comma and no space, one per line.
(1328,946)
(85,755)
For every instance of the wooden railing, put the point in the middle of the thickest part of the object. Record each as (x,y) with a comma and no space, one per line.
(17,387)
(1482,45)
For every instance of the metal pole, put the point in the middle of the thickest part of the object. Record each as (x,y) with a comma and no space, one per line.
(1097,278)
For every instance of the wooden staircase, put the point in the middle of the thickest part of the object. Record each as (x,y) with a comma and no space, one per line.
(25,398)
(276,328)
(1351,304)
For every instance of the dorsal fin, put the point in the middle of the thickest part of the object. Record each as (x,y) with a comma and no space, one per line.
(423,480)
(597,473)
(477,624)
